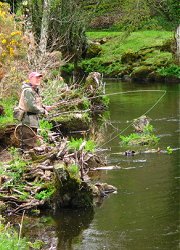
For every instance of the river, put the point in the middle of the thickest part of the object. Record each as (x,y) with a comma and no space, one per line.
(145,212)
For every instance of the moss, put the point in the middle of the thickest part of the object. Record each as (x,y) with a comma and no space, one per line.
(130,57)
(71,191)
(141,72)
(93,50)
(73,122)
(121,55)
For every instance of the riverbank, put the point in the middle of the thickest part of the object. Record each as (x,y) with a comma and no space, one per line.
(139,56)
(54,173)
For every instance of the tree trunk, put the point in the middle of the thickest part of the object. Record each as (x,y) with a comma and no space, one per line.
(44,27)
(178,44)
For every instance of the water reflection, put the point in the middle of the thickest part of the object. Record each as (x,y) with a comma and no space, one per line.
(70,224)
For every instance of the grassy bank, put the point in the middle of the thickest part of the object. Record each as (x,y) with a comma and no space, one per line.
(118,43)
(140,54)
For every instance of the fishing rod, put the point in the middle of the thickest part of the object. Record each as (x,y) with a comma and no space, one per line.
(110,94)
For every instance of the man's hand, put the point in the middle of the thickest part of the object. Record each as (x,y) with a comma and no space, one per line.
(48,108)
(46,112)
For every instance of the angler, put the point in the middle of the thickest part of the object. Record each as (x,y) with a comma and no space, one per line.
(30,106)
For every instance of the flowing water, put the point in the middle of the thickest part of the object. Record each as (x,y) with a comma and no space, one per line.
(145,212)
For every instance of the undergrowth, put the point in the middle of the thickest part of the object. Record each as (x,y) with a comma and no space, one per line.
(77,144)
(8,105)
(145,138)
(173,70)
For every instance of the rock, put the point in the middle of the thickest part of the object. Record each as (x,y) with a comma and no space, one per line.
(93,81)
(130,57)
(140,123)
(126,78)
(93,50)
(141,73)
(105,188)
(71,191)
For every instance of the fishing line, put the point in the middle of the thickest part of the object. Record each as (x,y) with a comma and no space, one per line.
(118,93)
(135,91)
(111,94)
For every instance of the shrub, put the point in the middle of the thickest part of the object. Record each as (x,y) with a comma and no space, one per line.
(145,138)
(10,36)
(45,127)
(173,70)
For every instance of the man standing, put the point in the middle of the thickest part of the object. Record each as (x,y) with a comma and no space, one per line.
(31,103)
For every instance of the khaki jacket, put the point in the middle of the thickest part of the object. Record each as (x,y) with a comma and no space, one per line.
(31,102)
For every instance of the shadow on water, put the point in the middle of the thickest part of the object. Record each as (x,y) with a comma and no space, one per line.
(69,226)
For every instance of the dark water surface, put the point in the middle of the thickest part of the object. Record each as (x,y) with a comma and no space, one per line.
(145,212)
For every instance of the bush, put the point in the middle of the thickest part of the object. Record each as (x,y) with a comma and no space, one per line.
(10,37)
(173,70)
(9,238)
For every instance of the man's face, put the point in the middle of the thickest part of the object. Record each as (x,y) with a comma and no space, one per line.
(36,80)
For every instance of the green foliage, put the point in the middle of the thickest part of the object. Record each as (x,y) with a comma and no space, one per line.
(145,138)
(105,100)
(89,146)
(45,127)
(173,70)
(167,13)
(17,164)
(9,239)
(8,105)
(86,103)
(68,68)
(75,143)
(73,170)
(109,61)
(148,129)
(169,150)
(38,244)
(45,194)
(14,169)
(52,89)
(158,58)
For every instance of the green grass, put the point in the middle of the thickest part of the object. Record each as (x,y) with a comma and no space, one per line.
(9,239)
(109,62)
(8,105)
(118,44)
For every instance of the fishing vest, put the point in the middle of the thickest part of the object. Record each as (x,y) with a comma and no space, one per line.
(38,100)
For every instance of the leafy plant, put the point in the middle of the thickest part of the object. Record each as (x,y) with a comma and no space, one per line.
(86,103)
(173,70)
(45,194)
(9,238)
(73,170)
(144,138)
(38,244)
(8,104)
(169,150)
(45,127)
(75,143)
(89,146)
(105,100)
(148,129)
